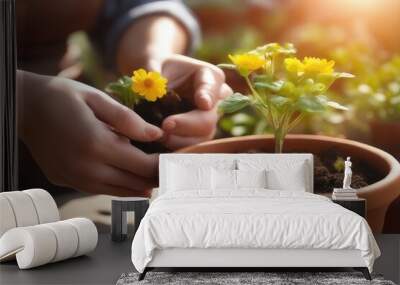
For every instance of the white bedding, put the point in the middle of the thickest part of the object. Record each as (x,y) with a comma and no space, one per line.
(251,218)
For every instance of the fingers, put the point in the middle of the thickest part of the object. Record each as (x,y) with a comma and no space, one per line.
(225,91)
(173,142)
(106,179)
(112,176)
(207,86)
(129,158)
(121,118)
(195,123)
(113,167)
(207,79)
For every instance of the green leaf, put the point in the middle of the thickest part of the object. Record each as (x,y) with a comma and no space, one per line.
(234,103)
(325,101)
(227,66)
(274,86)
(310,104)
(122,90)
(261,77)
(126,80)
(343,75)
(279,101)
(226,124)
(120,87)
(273,49)
(288,89)
(336,105)
(114,88)
(318,88)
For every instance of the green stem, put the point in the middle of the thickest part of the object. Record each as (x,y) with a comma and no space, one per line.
(254,91)
(258,97)
(265,113)
(279,139)
(282,130)
(272,65)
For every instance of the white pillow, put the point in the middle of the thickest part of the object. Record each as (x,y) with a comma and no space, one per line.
(293,180)
(282,174)
(251,178)
(224,179)
(182,177)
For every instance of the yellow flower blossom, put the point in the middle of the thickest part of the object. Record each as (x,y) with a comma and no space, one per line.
(313,65)
(247,62)
(151,85)
(294,65)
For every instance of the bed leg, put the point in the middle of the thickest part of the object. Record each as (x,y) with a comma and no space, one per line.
(143,274)
(364,271)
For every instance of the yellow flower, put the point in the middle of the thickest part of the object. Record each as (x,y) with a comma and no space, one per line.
(247,62)
(313,65)
(294,65)
(151,85)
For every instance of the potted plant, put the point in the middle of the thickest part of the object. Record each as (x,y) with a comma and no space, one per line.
(282,89)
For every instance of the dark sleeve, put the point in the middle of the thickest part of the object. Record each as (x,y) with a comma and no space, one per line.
(118,15)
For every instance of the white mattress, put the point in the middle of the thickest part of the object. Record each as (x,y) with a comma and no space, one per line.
(252,219)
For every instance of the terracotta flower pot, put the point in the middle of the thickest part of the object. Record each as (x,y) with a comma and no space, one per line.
(386,135)
(379,195)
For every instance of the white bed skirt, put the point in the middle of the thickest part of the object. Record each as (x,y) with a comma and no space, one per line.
(235,257)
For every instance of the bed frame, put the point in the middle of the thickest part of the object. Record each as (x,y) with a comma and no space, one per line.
(250,258)
(245,259)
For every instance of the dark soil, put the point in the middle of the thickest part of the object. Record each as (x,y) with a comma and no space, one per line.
(155,112)
(326,177)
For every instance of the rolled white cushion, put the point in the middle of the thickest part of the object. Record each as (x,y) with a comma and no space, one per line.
(87,235)
(40,244)
(67,239)
(33,246)
(23,208)
(45,205)
(7,218)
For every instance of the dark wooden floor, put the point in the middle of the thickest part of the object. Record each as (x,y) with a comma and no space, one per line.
(110,260)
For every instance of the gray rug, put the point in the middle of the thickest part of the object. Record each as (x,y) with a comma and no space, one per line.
(243,278)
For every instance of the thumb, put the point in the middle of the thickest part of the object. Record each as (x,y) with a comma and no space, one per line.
(154,65)
(121,118)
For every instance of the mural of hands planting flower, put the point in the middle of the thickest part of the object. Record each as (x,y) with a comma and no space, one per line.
(309,76)
(256,117)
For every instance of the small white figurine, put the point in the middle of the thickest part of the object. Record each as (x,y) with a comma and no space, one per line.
(347,174)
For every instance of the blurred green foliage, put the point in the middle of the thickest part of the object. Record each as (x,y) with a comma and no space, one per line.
(215,48)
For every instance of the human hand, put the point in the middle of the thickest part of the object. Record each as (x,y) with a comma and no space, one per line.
(79,136)
(201,83)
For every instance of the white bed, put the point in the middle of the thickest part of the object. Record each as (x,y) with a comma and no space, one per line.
(194,223)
